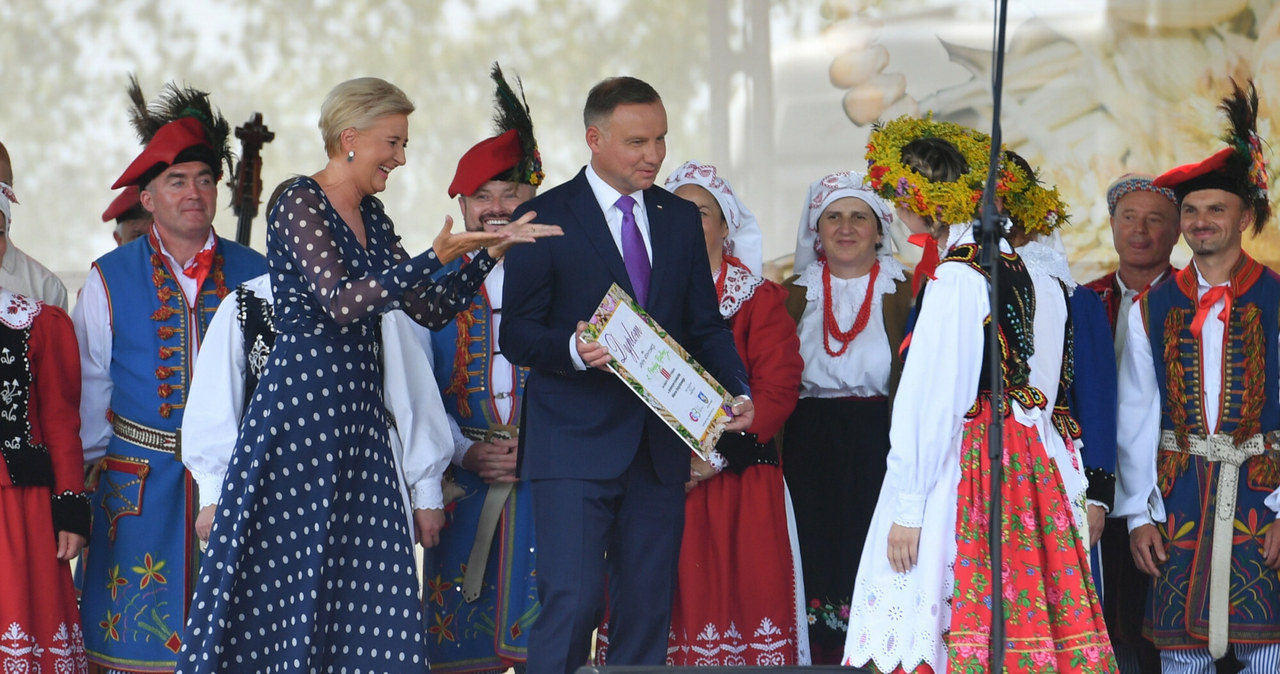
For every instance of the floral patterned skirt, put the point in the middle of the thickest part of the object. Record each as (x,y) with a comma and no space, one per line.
(1052,615)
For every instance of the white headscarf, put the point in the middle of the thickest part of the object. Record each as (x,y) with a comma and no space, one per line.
(821,194)
(6,198)
(745,240)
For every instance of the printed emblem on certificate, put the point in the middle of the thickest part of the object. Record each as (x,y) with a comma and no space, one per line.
(660,371)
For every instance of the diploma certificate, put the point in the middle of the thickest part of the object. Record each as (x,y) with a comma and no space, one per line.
(660,371)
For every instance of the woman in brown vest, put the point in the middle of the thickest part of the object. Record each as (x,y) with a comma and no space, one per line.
(850,300)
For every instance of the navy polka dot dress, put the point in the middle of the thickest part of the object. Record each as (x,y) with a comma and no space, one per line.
(310,562)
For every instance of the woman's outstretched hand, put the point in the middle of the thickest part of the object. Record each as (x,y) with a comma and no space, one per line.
(449,246)
(524,230)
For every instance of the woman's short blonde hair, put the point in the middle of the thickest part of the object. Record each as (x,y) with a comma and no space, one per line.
(356,104)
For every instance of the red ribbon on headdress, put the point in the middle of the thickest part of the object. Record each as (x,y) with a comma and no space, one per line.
(928,260)
(200,266)
(1211,297)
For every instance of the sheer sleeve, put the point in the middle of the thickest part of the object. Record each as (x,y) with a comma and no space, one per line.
(434,305)
(305,226)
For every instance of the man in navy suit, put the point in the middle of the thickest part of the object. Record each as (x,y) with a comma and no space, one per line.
(605,472)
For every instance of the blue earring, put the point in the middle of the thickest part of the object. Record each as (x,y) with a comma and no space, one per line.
(351,156)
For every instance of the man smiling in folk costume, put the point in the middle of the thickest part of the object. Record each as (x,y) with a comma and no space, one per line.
(480,583)
(1198,463)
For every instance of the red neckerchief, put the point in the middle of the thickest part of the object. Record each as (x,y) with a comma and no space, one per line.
(200,266)
(1246,272)
(1210,298)
(928,260)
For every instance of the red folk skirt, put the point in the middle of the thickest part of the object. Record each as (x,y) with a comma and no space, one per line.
(735,601)
(1052,616)
(39,620)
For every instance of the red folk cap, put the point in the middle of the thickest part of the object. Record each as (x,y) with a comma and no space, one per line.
(123,203)
(1206,174)
(485,161)
(171,140)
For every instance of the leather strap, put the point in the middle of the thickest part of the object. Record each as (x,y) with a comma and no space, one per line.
(490,512)
(1220,448)
(494,500)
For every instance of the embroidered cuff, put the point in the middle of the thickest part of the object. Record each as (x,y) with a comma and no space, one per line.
(1102,487)
(717,461)
(71,513)
(427,495)
(208,488)
(909,509)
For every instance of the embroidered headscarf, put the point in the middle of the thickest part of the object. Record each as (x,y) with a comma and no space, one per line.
(7,198)
(821,194)
(745,240)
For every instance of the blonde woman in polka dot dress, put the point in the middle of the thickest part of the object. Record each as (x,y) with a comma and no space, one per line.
(310,564)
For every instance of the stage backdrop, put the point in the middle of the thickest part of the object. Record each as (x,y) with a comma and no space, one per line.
(775,93)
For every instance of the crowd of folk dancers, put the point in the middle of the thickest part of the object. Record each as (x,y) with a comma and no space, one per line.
(242,451)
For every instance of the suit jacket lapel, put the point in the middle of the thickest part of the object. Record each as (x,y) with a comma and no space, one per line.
(659,243)
(594,227)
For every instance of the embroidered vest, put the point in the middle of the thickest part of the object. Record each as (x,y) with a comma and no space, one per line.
(1062,418)
(1017,344)
(1251,363)
(462,363)
(154,342)
(29,464)
(256,323)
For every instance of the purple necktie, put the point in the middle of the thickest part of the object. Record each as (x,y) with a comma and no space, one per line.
(634,254)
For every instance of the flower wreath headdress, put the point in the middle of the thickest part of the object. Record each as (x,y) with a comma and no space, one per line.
(895,181)
(1039,209)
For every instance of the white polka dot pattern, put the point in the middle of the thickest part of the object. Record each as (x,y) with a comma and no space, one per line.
(310,562)
(319,262)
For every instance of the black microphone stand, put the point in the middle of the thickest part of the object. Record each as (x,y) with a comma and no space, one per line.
(988,236)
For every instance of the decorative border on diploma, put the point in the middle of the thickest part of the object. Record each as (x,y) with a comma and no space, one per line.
(660,372)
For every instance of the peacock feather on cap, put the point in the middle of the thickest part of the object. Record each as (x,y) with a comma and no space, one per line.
(511,111)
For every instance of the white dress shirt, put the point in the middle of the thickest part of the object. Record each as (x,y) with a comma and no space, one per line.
(1125,303)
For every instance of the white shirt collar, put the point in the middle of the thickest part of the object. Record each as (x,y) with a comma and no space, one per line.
(1124,289)
(1203,284)
(208,243)
(606,194)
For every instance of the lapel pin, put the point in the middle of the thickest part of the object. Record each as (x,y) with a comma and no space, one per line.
(659,206)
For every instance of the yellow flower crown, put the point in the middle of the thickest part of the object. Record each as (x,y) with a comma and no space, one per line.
(1039,209)
(949,203)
